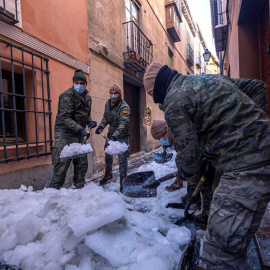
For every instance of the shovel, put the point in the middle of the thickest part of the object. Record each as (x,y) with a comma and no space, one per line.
(193,197)
(163,157)
(143,184)
(79,155)
(103,135)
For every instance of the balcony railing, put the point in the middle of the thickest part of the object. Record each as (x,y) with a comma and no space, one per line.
(190,55)
(198,60)
(139,48)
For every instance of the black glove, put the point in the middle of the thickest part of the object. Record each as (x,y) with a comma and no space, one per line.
(99,130)
(83,133)
(92,124)
(113,138)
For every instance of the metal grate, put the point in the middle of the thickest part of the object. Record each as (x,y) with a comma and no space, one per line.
(25,104)
(190,55)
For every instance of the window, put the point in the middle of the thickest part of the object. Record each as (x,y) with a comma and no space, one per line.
(10,11)
(11,101)
(25,104)
(173,19)
(132,10)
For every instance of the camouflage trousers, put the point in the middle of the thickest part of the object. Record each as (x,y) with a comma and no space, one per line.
(122,159)
(238,205)
(61,165)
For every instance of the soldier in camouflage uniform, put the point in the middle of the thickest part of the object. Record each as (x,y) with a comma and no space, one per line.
(210,116)
(257,91)
(74,108)
(117,116)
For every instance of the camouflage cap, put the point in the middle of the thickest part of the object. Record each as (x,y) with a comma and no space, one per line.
(158,129)
(150,76)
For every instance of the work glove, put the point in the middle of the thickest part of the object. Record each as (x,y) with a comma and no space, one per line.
(83,133)
(92,124)
(113,138)
(99,130)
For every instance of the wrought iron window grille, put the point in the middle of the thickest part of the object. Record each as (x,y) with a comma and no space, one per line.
(190,55)
(8,16)
(25,104)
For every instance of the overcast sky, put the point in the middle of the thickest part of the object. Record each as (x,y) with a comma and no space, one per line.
(201,14)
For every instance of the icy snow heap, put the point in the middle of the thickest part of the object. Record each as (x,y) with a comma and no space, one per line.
(75,149)
(116,148)
(83,229)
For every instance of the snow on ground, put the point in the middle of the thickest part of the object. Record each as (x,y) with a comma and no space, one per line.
(91,228)
(76,149)
(116,148)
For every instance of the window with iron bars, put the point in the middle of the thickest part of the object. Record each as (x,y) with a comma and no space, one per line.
(25,104)
(10,11)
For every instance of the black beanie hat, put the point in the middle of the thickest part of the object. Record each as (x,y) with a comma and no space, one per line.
(79,76)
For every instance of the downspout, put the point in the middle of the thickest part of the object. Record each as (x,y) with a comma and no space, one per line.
(222,57)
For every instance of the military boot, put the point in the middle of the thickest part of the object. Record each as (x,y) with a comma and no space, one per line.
(200,219)
(122,176)
(107,176)
(178,184)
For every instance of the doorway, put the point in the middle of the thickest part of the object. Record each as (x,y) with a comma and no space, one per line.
(132,97)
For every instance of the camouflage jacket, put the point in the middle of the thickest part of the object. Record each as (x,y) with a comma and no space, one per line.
(118,117)
(73,111)
(210,116)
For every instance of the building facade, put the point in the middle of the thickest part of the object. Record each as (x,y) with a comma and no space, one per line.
(40,48)
(121,47)
(242,38)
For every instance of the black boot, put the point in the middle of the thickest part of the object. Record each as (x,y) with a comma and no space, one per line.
(122,176)
(107,176)
(200,219)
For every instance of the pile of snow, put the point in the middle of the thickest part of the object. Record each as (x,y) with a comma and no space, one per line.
(116,148)
(75,149)
(82,229)
(92,228)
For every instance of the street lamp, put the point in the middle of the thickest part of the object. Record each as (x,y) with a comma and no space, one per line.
(206,56)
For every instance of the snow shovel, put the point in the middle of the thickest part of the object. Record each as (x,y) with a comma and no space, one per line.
(143,184)
(79,155)
(191,254)
(163,157)
(193,198)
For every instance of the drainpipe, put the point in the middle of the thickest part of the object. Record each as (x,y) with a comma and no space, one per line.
(222,57)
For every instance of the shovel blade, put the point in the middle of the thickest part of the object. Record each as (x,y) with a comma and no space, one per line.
(133,185)
(159,158)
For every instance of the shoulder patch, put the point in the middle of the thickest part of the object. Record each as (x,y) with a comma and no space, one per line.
(124,111)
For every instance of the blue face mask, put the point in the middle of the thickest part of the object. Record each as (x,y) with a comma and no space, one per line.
(79,88)
(113,97)
(164,142)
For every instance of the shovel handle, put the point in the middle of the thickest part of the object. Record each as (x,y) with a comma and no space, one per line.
(85,137)
(103,135)
(197,189)
(160,180)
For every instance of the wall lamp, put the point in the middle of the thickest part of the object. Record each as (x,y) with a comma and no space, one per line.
(206,56)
